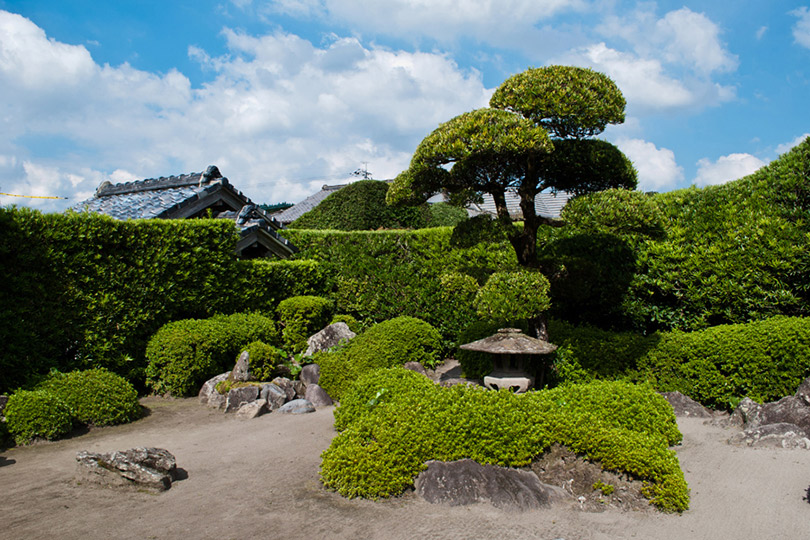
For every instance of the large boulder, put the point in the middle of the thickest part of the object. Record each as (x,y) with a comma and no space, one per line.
(686,406)
(329,337)
(274,395)
(803,392)
(141,468)
(310,374)
(239,396)
(778,435)
(241,371)
(252,410)
(317,396)
(287,385)
(466,482)
(297,406)
(788,410)
(208,393)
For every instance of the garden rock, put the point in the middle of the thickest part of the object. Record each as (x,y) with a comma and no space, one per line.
(310,374)
(788,410)
(415,366)
(274,396)
(746,414)
(241,371)
(318,396)
(466,482)
(253,409)
(149,468)
(779,435)
(300,388)
(686,406)
(803,392)
(208,393)
(239,396)
(297,406)
(285,384)
(329,337)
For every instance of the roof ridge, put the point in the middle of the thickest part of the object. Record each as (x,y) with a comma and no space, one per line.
(210,176)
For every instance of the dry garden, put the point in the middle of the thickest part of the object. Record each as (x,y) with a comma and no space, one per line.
(699,291)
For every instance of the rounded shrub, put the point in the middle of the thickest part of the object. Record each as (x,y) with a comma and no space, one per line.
(264,360)
(96,396)
(387,344)
(514,295)
(617,211)
(444,214)
(34,414)
(184,354)
(300,317)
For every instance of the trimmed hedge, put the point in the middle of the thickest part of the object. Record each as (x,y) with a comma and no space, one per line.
(392,421)
(184,354)
(390,343)
(763,360)
(361,206)
(300,317)
(34,414)
(95,396)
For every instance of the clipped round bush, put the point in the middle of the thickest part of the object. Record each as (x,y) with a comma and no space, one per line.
(361,206)
(34,414)
(387,344)
(514,295)
(392,421)
(619,211)
(184,354)
(300,317)
(444,214)
(264,360)
(96,396)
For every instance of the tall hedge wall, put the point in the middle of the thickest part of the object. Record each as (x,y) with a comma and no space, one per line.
(83,290)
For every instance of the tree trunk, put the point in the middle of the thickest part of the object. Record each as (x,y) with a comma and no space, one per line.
(538,327)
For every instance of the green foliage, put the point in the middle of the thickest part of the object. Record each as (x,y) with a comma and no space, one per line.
(606,489)
(96,396)
(34,414)
(390,343)
(184,354)
(616,211)
(300,317)
(510,296)
(264,360)
(350,321)
(84,291)
(443,214)
(764,360)
(361,206)
(569,102)
(392,421)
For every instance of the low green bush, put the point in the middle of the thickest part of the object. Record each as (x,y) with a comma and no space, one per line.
(184,354)
(390,343)
(34,414)
(96,396)
(264,360)
(392,421)
(300,317)
(764,360)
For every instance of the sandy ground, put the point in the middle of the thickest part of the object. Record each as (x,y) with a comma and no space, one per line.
(258,478)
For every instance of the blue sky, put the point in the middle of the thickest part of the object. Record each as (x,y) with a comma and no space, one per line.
(287,95)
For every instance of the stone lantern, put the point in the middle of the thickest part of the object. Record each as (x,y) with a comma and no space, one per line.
(515,358)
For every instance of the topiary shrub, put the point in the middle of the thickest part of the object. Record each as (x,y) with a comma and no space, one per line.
(361,206)
(96,396)
(390,343)
(764,360)
(516,295)
(392,421)
(184,354)
(616,211)
(300,317)
(444,214)
(264,360)
(34,414)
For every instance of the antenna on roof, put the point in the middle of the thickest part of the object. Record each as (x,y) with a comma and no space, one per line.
(363,172)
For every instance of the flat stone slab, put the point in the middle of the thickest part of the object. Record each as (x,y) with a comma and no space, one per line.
(466,482)
(140,468)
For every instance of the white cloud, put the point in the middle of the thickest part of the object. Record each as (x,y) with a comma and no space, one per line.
(278,116)
(761,32)
(782,148)
(726,169)
(657,168)
(801,30)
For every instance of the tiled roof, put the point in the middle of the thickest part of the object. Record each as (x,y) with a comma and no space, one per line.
(184,196)
(296,211)
(546,204)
